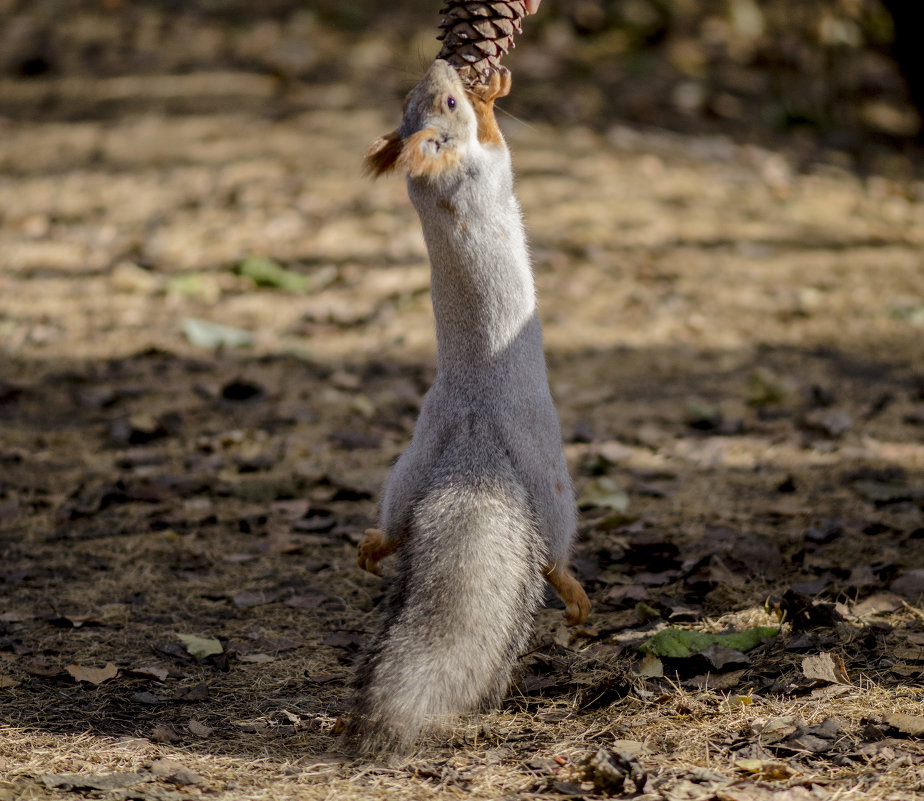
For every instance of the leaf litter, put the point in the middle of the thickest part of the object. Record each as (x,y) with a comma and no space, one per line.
(200,456)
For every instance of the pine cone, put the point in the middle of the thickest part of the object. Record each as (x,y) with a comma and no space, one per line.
(478,33)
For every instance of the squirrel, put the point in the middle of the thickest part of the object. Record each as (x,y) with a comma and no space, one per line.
(480,507)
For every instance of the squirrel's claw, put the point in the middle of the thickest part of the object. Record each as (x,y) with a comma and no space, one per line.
(497,85)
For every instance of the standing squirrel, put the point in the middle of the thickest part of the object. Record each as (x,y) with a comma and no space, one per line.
(480,507)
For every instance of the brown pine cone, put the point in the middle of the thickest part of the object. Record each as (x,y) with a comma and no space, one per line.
(478,33)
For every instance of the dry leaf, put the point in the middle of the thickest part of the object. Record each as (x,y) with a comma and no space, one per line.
(164,733)
(880,603)
(175,772)
(912,725)
(825,667)
(152,671)
(249,599)
(830,691)
(8,682)
(82,781)
(200,729)
(766,769)
(200,647)
(715,681)
(776,729)
(905,654)
(256,659)
(631,747)
(650,667)
(93,675)
(42,667)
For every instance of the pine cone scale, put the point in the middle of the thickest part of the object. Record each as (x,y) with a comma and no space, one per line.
(477,34)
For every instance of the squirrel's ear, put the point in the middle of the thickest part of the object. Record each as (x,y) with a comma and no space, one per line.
(382,154)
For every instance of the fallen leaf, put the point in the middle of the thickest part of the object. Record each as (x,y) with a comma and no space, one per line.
(604,493)
(715,681)
(150,699)
(308,601)
(684,643)
(912,725)
(825,667)
(806,614)
(818,738)
(344,639)
(719,656)
(73,621)
(766,387)
(832,422)
(249,599)
(175,772)
(268,273)
(910,584)
(164,733)
(199,692)
(630,747)
(81,781)
(16,617)
(626,595)
(200,647)
(650,667)
(200,729)
(830,691)
(256,658)
(609,771)
(880,603)
(776,729)
(914,653)
(278,643)
(43,668)
(766,769)
(93,675)
(7,682)
(151,671)
(204,334)
(291,510)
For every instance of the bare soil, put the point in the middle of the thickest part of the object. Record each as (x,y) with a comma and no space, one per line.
(735,347)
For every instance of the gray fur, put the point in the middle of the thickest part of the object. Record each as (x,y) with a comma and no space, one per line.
(481,497)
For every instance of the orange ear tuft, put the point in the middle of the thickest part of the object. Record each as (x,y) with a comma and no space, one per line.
(382,155)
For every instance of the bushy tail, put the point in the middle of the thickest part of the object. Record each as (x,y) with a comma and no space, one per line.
(458,613)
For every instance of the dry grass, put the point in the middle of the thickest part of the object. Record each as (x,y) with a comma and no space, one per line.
(673,273)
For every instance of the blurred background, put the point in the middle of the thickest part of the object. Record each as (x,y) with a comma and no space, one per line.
(830,76)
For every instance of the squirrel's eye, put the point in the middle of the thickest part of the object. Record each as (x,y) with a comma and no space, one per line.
(451,102)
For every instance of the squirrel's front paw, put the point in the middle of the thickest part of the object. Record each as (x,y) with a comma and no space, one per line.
(497,85)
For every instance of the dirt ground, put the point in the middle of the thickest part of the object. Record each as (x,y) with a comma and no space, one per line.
(734,342)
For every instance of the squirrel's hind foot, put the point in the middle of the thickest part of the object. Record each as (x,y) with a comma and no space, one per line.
(569,589)
(372,549)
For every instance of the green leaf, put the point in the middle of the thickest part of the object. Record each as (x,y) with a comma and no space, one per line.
(745,640)
(200,647)
(204,334)
(683,643)
(266,272)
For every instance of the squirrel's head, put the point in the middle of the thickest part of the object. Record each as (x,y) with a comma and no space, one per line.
(439,123)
